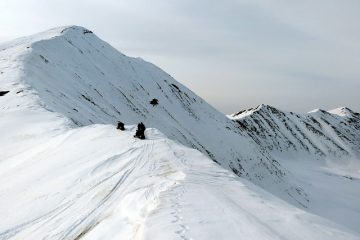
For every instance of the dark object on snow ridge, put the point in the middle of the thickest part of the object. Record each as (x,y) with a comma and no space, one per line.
(86,31)
(120,126)
(140,131)
(154,102)
(2,93)
(141,126)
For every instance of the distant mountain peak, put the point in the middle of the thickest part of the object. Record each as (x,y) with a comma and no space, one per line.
(318,133)
(342,111)
(262,108)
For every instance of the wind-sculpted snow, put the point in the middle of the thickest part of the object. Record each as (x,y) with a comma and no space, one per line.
(72,72)
(320,148)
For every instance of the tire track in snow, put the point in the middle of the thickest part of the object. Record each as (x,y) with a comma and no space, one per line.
(132,166)
(146,148)
(58,214)
(15,230)
(99,205)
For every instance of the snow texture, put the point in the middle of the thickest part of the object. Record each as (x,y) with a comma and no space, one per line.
(67,173)
(322,149)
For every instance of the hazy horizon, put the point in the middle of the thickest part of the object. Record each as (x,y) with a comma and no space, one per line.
(296,56)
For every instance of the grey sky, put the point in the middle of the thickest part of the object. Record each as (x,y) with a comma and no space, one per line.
(236,54)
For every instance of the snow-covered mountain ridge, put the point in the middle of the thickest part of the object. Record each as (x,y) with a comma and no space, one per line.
(67,173)
(94,182)
(74,73)
(334,134)
(320,148)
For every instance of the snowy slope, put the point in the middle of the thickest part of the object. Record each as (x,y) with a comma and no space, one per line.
(72,72)
(320,148)
(94,182)
(334,134)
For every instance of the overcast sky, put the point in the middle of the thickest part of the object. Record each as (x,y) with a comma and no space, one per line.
(236,54)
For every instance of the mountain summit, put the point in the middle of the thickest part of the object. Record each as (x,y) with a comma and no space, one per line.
(72,72)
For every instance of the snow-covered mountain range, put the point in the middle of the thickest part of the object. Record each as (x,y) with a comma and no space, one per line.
(321,148)
(320,134)
(67,173)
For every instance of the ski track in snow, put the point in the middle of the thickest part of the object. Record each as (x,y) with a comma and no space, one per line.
(139,155)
